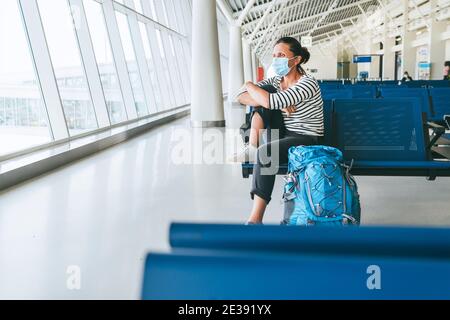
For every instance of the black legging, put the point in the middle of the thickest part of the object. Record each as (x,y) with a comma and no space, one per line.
(266,167)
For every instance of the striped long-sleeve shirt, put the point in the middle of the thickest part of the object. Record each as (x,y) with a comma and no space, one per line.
(306,96)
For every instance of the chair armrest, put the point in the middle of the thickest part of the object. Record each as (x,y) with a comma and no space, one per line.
(438,132)
(437,128)
(447,121)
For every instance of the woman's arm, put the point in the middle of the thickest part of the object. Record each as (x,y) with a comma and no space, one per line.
(258,95)
(246,100)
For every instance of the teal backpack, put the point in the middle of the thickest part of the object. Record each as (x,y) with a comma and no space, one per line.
(319,189)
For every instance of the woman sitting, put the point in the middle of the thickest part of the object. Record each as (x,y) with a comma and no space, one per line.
(295,98)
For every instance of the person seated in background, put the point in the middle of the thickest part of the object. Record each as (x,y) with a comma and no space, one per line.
(447,70)
(299,98)
(407,77)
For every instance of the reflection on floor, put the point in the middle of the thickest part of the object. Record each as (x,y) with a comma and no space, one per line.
(103,214)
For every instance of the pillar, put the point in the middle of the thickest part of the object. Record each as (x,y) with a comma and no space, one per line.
(409,53)
(235,113)
(248,63)
(389,55)
(254,67)
(437,45)
(207,97)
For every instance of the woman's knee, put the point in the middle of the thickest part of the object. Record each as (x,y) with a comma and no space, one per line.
(257,122)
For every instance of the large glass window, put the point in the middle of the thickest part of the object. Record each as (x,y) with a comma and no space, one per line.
(138,6)
(69,71)
(23,117)
(175,68)
(105,61)
(133,69)
(151,65)
(165,67)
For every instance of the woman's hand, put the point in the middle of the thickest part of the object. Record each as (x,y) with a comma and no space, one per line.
(249,84)
(260,96)
(290,110)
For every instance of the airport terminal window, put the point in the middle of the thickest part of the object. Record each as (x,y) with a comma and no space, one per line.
(68,67)
(133,69)
(151,64)
(170,58)
(105,61)
(175,63)
(165,66)
(138,6)
(183,64)
(23,116)
(153,8)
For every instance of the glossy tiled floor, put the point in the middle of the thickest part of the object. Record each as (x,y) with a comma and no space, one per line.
(103,214)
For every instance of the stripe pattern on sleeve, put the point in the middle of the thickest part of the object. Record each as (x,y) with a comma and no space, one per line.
(306,96)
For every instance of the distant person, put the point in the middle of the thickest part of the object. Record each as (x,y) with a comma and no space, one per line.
(447,70)
(407,77)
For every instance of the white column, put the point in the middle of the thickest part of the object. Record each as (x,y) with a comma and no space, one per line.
(207,96)
(409,53)
(375,65)
(254,67)
(248,57)
(389,54)
(437,45)
(235,113)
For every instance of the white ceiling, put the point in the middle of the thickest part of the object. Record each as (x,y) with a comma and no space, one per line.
(321,19)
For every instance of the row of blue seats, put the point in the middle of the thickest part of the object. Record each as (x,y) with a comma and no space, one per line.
(230,262)
(382,137)
(435,101)
(410,84)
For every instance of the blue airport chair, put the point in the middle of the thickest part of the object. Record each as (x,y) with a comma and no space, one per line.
(405,92)
(438,84)
(389,83)
(364,92)
(216,275)
(331,86)
(368,83)
(417,84)
(440,100)
(330,82)
(331,94)
(371,241)
(386,137)
(383,137)
(328,107)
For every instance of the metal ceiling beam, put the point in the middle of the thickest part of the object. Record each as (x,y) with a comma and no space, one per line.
(274,20)
(226,10)
(324,16)
(263,19)
(259,8)
(291,6)
(245,12)
(326,26)
(349,6)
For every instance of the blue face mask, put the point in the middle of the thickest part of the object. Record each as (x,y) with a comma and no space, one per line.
(281,66)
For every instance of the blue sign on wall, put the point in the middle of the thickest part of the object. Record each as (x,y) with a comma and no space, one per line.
(362,59)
